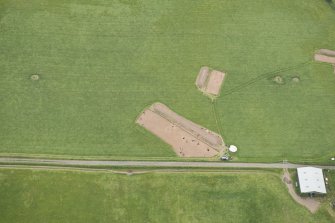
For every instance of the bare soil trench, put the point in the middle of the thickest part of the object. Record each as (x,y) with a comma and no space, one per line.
(326,56)
(187,139)
(210,81)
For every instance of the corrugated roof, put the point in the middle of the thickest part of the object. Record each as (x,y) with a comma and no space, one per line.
(311,180)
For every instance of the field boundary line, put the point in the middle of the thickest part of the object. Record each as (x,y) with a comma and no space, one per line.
(136,171)
(106,163)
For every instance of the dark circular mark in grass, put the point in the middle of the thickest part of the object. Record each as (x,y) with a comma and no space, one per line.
(278,79)
(35,77)
(296,79)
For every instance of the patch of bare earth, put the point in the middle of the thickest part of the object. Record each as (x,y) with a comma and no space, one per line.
(210,81)
(311,204)
(185,137)
(324,55)
(202,78)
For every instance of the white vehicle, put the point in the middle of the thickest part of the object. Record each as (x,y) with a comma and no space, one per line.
(225,157)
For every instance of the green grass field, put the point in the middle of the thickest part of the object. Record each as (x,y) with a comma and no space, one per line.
(101,62)
(66,196)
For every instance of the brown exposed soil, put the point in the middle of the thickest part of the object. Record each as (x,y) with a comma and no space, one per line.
(210,81)
(324,55)
(327,52)
(186,138)
(214,83)
(311,204)
(202,78)
(211,138)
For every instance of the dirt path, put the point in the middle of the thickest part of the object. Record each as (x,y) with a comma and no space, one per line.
(110,163)
(311,204)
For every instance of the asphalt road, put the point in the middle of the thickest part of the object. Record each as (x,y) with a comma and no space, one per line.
(106,163)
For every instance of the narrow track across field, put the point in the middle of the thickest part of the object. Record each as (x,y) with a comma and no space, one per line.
(107,163)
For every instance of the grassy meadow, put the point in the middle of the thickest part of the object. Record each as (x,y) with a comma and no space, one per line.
(67,196)
(101,62)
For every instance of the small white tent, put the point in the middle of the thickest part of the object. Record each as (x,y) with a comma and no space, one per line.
(232,149)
